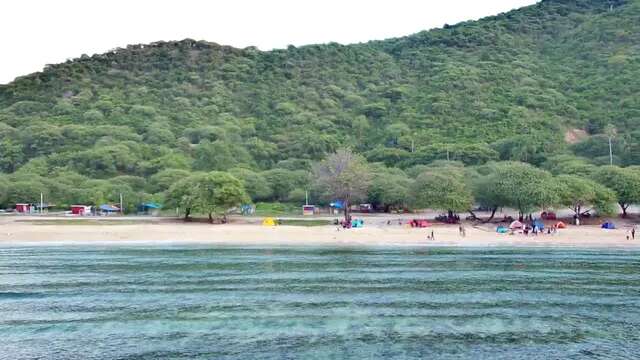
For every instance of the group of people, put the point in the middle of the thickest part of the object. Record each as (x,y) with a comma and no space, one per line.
(348,224)
(534,229)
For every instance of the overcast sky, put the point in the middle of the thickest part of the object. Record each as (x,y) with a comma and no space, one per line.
(38,32)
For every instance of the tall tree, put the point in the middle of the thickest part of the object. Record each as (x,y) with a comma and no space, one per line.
(578,193)
(218,192)
(343,176)
(624,182)
(522,187)
(184,195)
(442,189)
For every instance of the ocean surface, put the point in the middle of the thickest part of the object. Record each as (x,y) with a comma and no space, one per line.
(72,302)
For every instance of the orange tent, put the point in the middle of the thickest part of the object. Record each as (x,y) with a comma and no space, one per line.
(561,225)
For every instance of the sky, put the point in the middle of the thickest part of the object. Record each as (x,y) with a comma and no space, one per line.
(34,33)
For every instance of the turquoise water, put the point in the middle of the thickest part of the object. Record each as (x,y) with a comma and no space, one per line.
(247,303)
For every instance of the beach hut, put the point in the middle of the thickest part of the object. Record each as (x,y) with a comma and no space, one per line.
(269,222)
(608,225)
(24,208)
(247,209)
(308,210)
(80,210)
(515,225)
(149,208)
(336,206)
(107,209)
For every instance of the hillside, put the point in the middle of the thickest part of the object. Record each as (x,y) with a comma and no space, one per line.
(506,87)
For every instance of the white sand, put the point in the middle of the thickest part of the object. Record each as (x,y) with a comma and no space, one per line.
(21,233)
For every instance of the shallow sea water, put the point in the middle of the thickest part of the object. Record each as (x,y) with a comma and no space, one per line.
(72,302)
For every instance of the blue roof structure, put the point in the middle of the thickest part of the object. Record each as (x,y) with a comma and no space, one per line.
(337,204)
(151,205)
(108,208)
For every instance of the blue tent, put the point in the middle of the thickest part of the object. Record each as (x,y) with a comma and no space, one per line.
(608,225)
(108,208)
(357,223)
(337,204)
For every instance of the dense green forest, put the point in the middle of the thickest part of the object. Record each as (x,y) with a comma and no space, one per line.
(548,85)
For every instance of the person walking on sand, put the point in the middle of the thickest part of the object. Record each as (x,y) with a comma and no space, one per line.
(633,232)
(432,237)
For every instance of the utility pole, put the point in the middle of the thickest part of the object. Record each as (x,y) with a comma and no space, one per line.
(121,207)
(610,152)
(610,130)
(306,197)
(41,203)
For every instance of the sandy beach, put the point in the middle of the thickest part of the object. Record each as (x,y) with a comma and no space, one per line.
(23,232)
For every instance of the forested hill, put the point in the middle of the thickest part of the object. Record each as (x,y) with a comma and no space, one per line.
(514,87)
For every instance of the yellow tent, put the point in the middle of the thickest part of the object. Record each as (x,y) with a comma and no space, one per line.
(268,222)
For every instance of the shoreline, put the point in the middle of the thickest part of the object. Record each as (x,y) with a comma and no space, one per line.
(26,234)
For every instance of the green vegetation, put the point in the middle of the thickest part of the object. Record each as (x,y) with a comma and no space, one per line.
(211,193)
(276,209)
(343,176)
(301,222)
(442,189)
(624,182)
(490,112)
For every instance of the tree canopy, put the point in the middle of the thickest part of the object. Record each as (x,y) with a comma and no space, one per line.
(442,189)
(542,85)
(343,176)
(624,182)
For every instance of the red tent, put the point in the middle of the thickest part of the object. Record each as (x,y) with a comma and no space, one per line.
(420,223)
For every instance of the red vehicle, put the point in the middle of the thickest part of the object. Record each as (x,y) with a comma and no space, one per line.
(548,215)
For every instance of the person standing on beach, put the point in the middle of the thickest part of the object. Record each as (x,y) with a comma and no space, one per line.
(633,232)
(432,238)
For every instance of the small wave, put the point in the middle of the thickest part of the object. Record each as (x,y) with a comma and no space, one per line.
(20,295)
